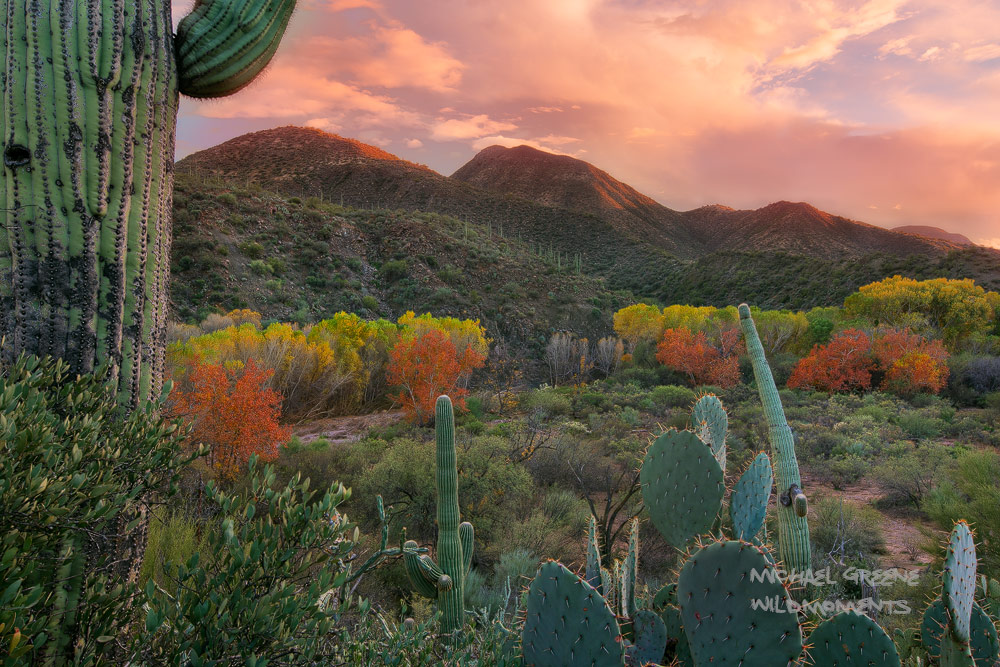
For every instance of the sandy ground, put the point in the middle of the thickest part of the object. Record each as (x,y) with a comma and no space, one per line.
(901,528)
(345,429)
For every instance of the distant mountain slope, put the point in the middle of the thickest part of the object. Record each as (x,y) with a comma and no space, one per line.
(566,182)
(934,233)
(574,214)
(240,246)
(802,229)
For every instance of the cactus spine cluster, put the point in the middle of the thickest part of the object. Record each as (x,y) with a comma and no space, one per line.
(793,529)
(89,109)
(445,580)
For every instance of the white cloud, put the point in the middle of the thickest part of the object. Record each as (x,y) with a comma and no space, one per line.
(414,143)
(470,127)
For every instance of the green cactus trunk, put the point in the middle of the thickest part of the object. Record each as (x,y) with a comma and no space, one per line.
(793,529)
(89,109)
(449,549)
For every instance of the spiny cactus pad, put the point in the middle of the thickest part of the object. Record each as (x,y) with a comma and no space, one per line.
(630,567)
(748,504)
(959,579)
(682,486)
(567,622)
(593,557)
(850,639)
(983,635)
(718,588)
(710,421)
(650,639)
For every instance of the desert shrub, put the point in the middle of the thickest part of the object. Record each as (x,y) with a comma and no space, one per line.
(842,471)
(76,475)
(493,491)
(261,268)
(547,400)
(672,396)
(394,270)
(840,530)
(919,426)
(968,490)
(282,590)
(172,539)
(982,374)
(907,476)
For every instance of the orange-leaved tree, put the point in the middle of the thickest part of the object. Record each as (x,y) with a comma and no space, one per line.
(843,364)
(425,365)
(233,412)
(911,364)
(692,354)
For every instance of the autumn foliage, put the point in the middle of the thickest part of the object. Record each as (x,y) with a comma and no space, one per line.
(906,362)
(703,363)
(426,365)
(233,412)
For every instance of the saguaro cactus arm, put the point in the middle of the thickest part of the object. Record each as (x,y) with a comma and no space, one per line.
(223,45)
(793,529)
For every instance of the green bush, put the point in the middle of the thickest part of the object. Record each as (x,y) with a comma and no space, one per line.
(549,401)
(260,267)
(907,476)
(276,570)
(672,396)
(840,530)
(919,426)
(76,481)
(173,538)
(394,270)
(969,491)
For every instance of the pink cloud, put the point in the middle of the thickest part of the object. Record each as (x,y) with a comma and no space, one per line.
(471,127)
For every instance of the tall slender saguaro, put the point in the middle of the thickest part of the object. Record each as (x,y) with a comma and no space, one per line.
(793,528)
(89,109)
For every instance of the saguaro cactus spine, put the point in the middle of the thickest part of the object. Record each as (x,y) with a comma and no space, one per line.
(793,529)
(445,579)
(89,108)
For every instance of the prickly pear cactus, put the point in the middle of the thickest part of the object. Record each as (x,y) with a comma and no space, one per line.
(983,643)
(793,529)
(629,571)
(650,639)
(959,580)
(593,557)
(710,421)
(89,110)
(718,590)
(445,580)
(748,504)
(850,639)
(682,486)
(567,622)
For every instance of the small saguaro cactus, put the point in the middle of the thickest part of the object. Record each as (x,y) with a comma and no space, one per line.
(445,580)
(89,110)
(793,529)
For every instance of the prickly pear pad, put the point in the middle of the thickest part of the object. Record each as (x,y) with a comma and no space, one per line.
(650,638)
(984,642)
(567,622)
(682,485)
(718,589)
(748,504)
(710,421)
(959,579)
(850,639)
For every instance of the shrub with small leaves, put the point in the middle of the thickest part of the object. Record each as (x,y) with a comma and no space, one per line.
(77,478)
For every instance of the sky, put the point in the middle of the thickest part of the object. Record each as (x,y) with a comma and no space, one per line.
(886,111)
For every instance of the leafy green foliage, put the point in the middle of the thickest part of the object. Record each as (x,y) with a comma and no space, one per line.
(77,480)
(275,571)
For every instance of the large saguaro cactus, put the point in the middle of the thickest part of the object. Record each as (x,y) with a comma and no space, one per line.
(89,109)
(445,580)
(793,529)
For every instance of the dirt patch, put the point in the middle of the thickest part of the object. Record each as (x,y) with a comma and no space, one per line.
(903,530)
(346,429)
